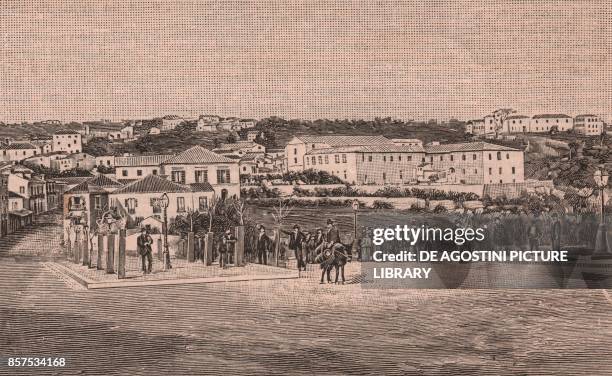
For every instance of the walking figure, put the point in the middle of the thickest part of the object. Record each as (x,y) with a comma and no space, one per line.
(263,245)
(144,242)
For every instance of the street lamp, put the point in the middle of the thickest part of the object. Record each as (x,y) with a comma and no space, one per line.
(164,202)
(601,242)
(355,206)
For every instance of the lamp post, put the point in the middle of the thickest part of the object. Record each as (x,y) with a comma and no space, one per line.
(355,206)
(164,202)
(601,242)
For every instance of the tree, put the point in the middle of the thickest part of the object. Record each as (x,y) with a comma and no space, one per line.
(500,115)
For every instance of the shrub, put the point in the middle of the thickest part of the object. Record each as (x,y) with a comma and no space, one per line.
(380,204)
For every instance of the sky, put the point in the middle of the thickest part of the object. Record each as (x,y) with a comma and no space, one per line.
(75,60)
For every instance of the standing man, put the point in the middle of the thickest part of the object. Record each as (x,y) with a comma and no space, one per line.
(296,240)
(227,246)
(333,235)
(366,246)
(533,234)
(555,233)
(263,246)
(144,242)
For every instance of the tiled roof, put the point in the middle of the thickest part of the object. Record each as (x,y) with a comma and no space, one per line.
(345,140)
(384,148)
(517,117)
(467,146)
(550,116)
(19,146)
(197,155)
(141,160)
(66,131)
(86,187)
(201,187)
(237,146)
(73,179)
(153,184)
(104,181)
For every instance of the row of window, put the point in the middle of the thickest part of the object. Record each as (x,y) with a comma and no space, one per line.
(323,159)
(132,203)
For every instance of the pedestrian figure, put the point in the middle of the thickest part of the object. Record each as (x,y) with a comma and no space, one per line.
(555,233)
(227,248)
(144,242)
(262,246)
(366,246)
(533,234)
(296,241)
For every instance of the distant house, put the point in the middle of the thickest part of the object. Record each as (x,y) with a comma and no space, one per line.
(105,160)
(298,146)
(67,141)
(207,123)
(62,164)
(516,124)
(252,135)
(139,199)
(546,122)
(200,165)
(137,167)
(588,125)
(170,122)
(18,151)
(44,160)
(240,148)
(83,161)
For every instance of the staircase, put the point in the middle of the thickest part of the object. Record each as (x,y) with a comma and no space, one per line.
(42,238)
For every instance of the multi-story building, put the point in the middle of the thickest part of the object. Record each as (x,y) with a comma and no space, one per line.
(105,160)
(88,200)
(484,127)
(170,122)
(550,122)
(464,163)
(62,164)
(67,141)
(588,125)
(137,167)
(200,165)
(368,164)
(516,124)
(298,146)
(407,142)
(83,161)
(140,199)
(207,123)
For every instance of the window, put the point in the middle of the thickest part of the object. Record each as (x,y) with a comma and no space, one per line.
(500,170)
(131,204)
(155,205)
(154,171)
(409,158)
(201,176)
(178,177)
(390,158)
(22,190)
(320,159)
(384,176)
(314,161)
(97,202)
(463,157)
(507,156)
(490,171)
(513,170)
(295,151)
(369,158)
(124,173)
(499,156)
(399,158)
(441,158)
(223,176)
(180,204)
(344,174)
(474,156)
(451,157)
(306,159)
(203,203)
(401,175)
(138,172)
(384,158)
(327,159)
(337,158)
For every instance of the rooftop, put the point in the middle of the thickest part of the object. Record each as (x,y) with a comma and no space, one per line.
(467,146)
(66,131)
(141,160)
(19,146)
(345,140)
(153,184)
(197,155)
(551,116)
(383,148)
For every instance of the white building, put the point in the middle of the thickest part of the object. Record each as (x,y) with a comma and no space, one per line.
(297,147)
(170,122)
(137,167)
(138,199)
(588,125)
(549,122)
(241,148)
(516,124)
(105,160)
(67,141)
(200,165)
(207,123)
(18,151)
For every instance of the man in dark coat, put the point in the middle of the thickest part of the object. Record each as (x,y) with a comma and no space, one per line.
(143,243)
(227,248)
(555,233)
(263,246)
(296,240)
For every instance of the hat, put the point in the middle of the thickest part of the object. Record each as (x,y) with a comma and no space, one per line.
(330,222)
(296,226)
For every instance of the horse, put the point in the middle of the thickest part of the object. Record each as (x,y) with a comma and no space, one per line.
(334,258)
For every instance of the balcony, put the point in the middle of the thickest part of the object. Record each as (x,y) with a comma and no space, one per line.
(76,207)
